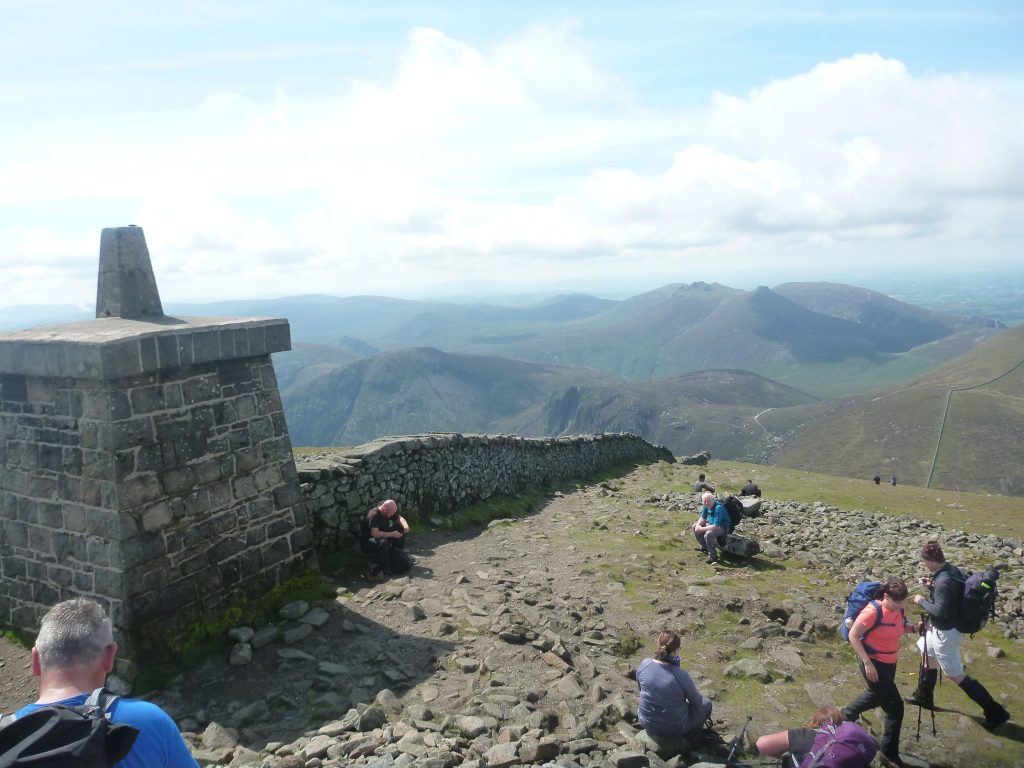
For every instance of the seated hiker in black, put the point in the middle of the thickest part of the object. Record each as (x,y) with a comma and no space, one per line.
(750,489)
(387,532)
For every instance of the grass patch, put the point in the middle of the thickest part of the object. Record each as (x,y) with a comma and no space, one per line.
(481,513)
(1000,515)
(18,637)
(168,652)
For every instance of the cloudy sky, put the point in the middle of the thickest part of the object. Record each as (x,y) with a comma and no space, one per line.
(271,147)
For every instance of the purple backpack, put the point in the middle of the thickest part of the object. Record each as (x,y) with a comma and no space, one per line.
(844,746)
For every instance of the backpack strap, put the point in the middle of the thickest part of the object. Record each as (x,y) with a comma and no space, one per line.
(815,756)
(877,623)
(103,700)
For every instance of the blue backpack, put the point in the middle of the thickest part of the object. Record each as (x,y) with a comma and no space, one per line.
(862,594)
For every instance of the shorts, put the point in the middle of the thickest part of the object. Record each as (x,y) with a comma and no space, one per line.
(944,647)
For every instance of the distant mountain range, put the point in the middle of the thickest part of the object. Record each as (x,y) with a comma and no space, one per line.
(819,375)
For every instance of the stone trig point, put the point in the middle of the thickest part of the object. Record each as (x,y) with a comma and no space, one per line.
(144,460)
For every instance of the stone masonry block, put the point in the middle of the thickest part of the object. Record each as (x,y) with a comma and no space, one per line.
(157,517)
(139,490)
(177,481)
(243,488)
(200,389)
(147,399)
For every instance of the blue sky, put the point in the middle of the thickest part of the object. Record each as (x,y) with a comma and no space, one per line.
(273,148)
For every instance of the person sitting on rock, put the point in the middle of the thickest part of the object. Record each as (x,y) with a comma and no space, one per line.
(702,484)
(712,523)
(671,707)
(387,532)
(794,744)
(750,489)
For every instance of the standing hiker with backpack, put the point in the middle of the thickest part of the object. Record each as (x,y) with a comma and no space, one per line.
(712,522)
(72,656)
(875,637)
(941,646)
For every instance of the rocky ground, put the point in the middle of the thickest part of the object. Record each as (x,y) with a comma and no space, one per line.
(514,645)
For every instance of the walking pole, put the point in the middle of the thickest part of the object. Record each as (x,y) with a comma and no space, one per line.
(924,668)
(738,740)
(921,671)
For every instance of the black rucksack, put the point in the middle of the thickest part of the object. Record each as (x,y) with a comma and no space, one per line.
(735,508)
(57,736)
(978,603)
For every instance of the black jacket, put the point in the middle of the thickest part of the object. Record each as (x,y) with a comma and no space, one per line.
(943,602)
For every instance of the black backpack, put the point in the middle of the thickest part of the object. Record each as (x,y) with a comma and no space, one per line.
(398,561)
(57,736)
(735,508)
(978,603)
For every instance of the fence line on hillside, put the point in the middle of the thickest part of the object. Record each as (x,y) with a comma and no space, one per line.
(945,413)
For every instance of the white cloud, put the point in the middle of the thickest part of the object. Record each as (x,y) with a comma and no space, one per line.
(526,160)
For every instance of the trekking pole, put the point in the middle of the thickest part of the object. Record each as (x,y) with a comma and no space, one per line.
(924,669)
(738,740)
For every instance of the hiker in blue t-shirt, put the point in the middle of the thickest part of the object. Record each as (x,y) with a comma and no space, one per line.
(72,656)
(713,522)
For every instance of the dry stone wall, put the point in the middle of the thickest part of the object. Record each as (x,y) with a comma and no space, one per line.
(438,473)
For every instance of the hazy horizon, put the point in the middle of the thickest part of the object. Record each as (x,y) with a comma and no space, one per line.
(405,149)
(993,294)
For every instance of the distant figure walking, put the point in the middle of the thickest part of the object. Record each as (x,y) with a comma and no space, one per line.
(878,480)
(893,479)
(750,489)
(702,485)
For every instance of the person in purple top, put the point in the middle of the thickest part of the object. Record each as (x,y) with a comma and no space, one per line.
(670,704)
(73,654)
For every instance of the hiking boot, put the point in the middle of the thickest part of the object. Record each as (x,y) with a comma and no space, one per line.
(701,549)
(924,695)
(376,576)
(712,560)
(922,699)
(995,715)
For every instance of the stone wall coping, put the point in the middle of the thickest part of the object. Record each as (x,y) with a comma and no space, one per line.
(335,460)
(113,347)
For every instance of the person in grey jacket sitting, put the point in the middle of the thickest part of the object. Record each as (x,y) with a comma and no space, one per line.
(670,704)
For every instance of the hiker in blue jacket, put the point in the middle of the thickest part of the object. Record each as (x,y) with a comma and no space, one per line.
(713,522)
(72,656)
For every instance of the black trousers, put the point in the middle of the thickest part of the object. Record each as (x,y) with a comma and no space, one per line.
(383,547)
(882,694)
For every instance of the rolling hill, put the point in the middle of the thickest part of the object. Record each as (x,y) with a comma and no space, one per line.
(424,389)
(419,390)
(977,444)
(824,338)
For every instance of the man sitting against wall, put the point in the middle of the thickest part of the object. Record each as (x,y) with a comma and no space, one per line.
(384,532)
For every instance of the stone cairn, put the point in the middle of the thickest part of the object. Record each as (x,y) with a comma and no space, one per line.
(145,461)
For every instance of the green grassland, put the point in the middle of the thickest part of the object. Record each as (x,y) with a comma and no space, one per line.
(985,512)
(657,571)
